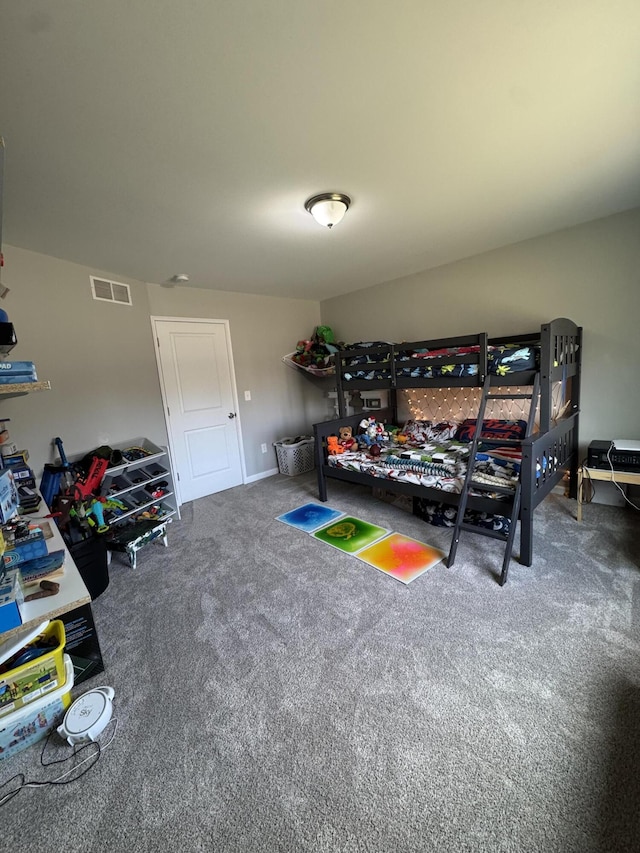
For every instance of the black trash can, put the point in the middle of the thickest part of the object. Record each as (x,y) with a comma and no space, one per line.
(90,557)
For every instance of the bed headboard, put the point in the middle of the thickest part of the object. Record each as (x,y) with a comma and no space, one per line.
(560,355)
(457,404)
(560,358)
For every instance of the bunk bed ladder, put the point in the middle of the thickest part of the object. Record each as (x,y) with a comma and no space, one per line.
(515,494)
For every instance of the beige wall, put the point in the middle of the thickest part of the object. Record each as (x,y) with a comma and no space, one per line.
(98,357)
(590,274)
(263,329)
(101,364)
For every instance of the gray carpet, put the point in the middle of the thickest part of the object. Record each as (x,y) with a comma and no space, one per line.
(274,694)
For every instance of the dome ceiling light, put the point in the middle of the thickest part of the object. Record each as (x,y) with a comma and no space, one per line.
(328,208)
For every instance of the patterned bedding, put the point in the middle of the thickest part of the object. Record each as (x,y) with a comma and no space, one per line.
(440,465)
(369,365)
(502,360)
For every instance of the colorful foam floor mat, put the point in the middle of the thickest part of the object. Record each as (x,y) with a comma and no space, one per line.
(394,554)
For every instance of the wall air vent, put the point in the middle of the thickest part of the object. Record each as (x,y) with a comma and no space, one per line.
(110,291)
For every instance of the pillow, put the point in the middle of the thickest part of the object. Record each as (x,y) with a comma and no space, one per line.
(443,431)
(416,431)
(421,432)
(512,358)
(492,428)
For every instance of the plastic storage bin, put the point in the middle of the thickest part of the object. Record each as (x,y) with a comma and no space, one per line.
(295,455)
(28,681)
(28,725)
(155,470)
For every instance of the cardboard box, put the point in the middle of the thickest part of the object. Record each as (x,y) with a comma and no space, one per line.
(8,496)
(17,378)
(22,553)
(403,502)
(22,533)
(16,457)
(49,567)
(11,597)
(23,476)
(17,367)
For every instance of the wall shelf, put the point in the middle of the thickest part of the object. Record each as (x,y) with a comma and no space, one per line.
(19,389)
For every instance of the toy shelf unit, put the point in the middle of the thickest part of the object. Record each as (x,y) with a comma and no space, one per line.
(142,489)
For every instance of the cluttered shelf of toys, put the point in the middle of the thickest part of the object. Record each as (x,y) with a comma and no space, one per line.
(139,478)
(115,493)
(41,580)
(38,577)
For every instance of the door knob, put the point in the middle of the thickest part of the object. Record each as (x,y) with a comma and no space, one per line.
(232,414)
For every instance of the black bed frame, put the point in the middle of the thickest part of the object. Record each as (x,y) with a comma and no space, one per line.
(546,455)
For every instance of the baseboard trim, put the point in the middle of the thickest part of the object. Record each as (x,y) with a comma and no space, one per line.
(261,476)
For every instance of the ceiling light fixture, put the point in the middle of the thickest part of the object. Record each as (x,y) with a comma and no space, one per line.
(328,208)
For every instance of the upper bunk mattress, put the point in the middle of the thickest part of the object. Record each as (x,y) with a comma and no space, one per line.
(502,360)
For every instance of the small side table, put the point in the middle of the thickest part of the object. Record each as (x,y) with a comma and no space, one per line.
(129,540)
(627,478)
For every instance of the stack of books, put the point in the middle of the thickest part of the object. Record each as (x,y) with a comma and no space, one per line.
(10,457)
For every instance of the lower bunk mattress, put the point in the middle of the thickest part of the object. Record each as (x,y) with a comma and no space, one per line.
(441,465)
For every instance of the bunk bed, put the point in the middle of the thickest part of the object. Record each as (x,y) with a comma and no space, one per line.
(540,370)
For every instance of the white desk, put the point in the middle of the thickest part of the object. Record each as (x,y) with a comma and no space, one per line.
(627,478)
(72,593)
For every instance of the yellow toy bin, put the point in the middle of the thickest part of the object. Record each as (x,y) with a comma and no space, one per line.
(26,675)
(38,719)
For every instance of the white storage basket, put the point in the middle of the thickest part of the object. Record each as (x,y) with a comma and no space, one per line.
(295,455)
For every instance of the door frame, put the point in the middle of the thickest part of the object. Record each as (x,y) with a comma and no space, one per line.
(155,319)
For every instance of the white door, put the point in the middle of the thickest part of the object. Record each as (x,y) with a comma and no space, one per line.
(199,395)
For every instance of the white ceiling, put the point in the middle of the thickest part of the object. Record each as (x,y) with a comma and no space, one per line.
(153,137)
